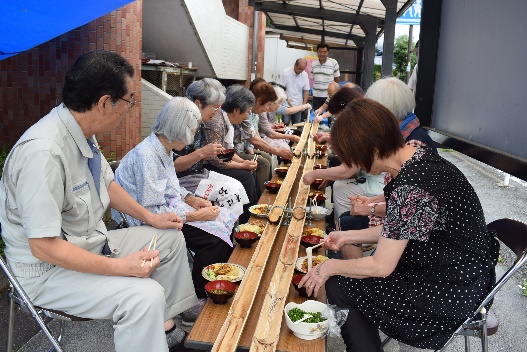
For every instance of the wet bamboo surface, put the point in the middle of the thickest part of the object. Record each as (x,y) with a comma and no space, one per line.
(267,331)
(231,327)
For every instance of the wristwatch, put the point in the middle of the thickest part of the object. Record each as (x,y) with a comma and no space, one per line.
(372,209)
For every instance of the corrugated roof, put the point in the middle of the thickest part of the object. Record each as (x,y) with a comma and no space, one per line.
(339,22)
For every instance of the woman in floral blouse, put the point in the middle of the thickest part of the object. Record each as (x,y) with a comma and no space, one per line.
(434,261)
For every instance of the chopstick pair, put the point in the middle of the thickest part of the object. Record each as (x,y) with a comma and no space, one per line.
(318,245)
(314,205)
(152,242)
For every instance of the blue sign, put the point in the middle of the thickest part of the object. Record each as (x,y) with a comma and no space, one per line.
(412,15)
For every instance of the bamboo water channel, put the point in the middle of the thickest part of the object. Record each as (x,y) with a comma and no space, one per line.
(232,328)
(268,328)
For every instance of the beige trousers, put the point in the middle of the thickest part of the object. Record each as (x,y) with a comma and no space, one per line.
(137,306)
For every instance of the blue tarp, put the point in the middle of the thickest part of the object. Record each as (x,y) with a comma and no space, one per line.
(25,24)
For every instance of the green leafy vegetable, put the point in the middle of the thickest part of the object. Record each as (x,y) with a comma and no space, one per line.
(297,314)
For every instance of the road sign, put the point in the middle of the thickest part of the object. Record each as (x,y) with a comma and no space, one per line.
(412,15)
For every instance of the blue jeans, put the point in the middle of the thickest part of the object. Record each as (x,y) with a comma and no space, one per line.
(296,118)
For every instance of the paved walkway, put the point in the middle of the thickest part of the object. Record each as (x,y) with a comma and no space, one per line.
(510,306)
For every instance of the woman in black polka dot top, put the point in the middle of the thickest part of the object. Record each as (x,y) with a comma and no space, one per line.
(434,261)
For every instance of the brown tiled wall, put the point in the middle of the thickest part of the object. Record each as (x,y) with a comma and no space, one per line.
(31,82)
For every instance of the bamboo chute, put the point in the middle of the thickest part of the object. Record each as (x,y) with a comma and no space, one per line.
(268,328)
(232,328)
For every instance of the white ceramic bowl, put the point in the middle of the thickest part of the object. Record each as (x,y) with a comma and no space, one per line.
(318,213)
(307,331)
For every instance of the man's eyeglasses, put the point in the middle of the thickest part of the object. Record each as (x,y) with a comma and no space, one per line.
(129,103)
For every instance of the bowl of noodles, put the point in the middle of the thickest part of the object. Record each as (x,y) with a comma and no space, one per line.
(220,291)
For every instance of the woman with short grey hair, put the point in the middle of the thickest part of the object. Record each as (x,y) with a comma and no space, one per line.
(148,175)
(207,94)
(177,121)
(394,94)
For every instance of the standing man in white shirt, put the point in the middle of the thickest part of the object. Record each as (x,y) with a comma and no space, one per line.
(323,71)
(296,84)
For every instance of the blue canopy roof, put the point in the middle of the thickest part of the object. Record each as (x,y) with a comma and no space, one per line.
(25,24)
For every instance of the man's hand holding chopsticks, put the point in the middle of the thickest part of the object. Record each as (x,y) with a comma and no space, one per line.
(132,264)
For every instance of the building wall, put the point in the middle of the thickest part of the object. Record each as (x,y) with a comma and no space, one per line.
(31,82)
(241,11)
(153,100)
(224,39)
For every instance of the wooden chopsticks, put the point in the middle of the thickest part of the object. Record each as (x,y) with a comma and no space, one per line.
(152,246)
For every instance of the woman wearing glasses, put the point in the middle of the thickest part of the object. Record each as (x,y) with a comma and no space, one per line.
(236,194)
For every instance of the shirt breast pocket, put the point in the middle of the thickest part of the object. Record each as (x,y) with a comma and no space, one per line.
(79,217)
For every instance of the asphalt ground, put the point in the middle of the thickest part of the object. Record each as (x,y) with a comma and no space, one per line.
(509,305)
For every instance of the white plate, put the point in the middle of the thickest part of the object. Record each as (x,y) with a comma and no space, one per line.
(298,264)
(251,210)
(240,274)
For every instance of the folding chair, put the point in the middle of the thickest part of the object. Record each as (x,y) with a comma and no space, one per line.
(42,315)
(513,234)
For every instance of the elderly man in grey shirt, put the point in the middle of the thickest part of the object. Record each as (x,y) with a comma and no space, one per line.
(55,189)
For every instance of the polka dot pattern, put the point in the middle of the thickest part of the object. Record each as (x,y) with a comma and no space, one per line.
(446,268)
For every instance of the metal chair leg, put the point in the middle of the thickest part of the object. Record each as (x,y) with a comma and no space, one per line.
(11,325)
(59,337)
(467,344)
(484,332)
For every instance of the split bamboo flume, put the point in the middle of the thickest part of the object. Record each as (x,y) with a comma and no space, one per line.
(231,330)
(267,330)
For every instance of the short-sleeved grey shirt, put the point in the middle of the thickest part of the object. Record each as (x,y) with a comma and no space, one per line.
(47,189)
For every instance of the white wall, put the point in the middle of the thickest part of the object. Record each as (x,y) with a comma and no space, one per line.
(152,100)
(198,31)
(225,40)
(278,56)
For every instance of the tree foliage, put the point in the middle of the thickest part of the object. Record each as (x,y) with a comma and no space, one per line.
(400,52)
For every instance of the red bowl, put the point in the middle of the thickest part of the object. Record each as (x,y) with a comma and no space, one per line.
(310,241)
(319,166)
(321,148)
(316,183)
(246,238)
(272,187)
(226,155)
(227,287)
(281,171)
(296,279)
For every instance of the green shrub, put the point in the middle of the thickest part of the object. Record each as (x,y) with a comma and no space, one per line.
(3,156)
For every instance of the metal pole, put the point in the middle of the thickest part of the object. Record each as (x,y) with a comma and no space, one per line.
(255,45)
(409,55)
